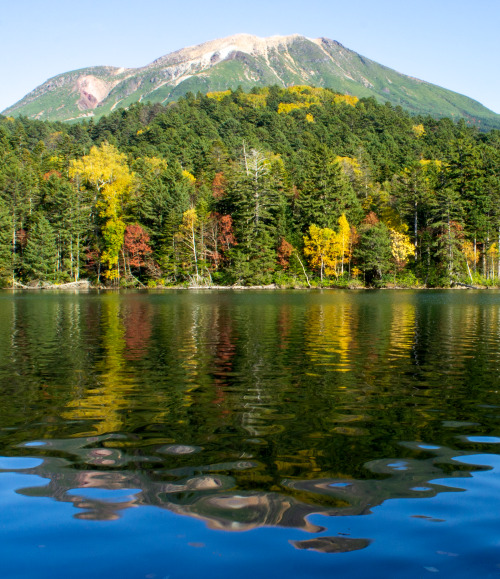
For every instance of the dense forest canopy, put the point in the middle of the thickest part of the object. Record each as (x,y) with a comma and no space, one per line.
(297,186)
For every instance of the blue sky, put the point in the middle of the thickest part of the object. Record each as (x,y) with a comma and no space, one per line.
(453,43)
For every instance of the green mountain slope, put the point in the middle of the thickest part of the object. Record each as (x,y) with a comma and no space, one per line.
(246,61)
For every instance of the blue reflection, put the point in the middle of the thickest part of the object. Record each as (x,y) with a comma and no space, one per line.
(484,439)
(18,462)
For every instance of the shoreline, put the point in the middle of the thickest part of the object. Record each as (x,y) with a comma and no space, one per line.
(87,287)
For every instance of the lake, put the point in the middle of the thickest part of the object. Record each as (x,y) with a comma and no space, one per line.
(250,434)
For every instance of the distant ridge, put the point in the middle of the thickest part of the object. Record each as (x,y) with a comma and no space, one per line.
(247,61)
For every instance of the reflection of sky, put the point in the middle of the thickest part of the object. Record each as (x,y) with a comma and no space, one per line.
(429,529)
(410,537)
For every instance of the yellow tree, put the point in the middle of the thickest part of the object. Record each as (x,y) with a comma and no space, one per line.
(106,170)
(401,249)
(321,249)
(493,255)
(344,239)
(471,256)
(418,130)
(187,239)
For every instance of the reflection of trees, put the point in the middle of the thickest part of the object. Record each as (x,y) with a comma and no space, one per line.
(204,496)
(104,405)
(329,331)
(332,544)
(43,356)
(137,314)
(204,492)
(223,346)
(251,381)
(402,330)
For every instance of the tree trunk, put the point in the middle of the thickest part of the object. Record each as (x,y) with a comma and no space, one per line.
(485,249)
(194,252)
(303,269)
(77,270)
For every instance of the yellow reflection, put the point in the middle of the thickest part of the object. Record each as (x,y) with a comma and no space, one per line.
(105,404)
(329,336)
(402,331)
(189,354)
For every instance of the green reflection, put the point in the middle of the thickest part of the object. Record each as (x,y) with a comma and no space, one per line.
(196,398)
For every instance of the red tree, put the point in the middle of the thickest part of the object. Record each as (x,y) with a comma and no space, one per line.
(136,245)
(219,186)
(226,236)
(285,250)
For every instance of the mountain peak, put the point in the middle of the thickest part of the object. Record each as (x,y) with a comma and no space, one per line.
(242,60)
(242,42)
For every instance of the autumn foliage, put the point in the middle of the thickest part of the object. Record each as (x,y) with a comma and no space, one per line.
(136,245)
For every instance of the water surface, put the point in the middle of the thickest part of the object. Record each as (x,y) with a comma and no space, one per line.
(244,433)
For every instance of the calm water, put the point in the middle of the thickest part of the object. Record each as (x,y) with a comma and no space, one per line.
(250,434)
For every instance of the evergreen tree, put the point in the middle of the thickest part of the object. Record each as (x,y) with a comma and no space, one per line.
(373,251)
(326,193)
(163,198)
(40,255)
(256,195)
(6,263)
(68,207)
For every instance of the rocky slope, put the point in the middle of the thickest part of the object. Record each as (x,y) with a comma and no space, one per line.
(246,61)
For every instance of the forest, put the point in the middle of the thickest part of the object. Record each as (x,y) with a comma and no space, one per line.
(297,187)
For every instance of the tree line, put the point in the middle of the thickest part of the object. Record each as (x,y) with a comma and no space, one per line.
(297,186)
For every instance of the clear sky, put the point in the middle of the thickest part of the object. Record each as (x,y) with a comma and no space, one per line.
(453,43)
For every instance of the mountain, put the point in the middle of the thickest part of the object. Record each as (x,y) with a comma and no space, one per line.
(243,60)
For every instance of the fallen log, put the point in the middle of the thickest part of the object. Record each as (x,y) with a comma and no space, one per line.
(465,285)
(36,285)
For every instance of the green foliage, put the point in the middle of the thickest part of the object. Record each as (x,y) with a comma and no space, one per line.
(40,255)
(326,193)
(408,280)
(254,175)
(6,264)
(374,251)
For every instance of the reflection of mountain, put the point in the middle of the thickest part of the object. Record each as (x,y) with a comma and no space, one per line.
(332,544)
(245,511)
(209,497)
(208,493)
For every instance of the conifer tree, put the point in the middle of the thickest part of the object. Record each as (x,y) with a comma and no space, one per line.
(373,251)
(256,194)
(326,193)
(6,263)
(40,255)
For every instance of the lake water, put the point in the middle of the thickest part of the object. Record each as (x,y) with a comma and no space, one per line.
(250,434)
